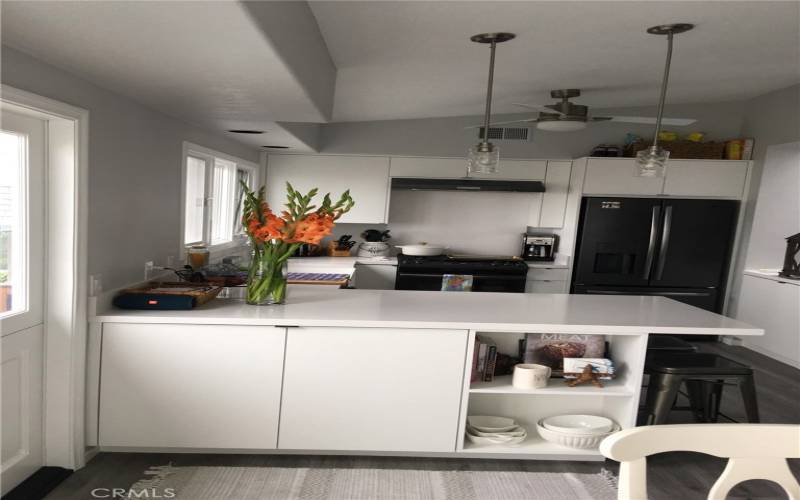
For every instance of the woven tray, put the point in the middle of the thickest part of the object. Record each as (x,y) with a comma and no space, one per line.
(202,293)
(683,150)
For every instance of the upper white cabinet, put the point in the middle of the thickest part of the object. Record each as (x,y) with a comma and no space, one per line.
(723,178)
(372,389)
(524,170)
(439,168)
(615,176)
(367,178)
(554,199)
(703,178)
(190,386)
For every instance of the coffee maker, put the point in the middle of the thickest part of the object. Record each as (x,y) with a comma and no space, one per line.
(539,247)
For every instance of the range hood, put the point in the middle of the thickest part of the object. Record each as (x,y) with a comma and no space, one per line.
(421,184)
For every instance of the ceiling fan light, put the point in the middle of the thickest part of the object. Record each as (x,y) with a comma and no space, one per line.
(483,158)
(561,125)
(651,162)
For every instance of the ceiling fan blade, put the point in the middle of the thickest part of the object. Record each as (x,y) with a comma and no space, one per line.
(538,107)
(529,120)
(648,120)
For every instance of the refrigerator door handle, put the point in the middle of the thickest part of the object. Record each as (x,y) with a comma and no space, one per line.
(651,246)
(662,253)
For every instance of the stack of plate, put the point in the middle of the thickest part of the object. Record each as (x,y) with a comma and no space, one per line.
(494,430)
(576,431)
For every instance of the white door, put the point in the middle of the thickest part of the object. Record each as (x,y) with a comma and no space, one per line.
(22,191)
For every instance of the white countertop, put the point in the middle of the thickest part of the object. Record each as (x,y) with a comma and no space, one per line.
(512,312)
(771,274)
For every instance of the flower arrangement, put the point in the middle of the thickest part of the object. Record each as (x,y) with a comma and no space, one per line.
(275,238)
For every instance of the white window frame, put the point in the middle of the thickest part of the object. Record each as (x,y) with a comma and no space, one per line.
(210,156)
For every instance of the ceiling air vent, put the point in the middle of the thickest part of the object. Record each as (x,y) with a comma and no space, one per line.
(507,133)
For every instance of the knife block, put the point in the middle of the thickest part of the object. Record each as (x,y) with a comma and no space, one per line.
(333,252)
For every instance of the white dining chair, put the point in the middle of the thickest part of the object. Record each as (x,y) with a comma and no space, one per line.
(754,451)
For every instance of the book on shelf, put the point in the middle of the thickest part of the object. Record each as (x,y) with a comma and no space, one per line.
(485,359)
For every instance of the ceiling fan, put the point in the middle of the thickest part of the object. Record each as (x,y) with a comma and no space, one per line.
(566,116)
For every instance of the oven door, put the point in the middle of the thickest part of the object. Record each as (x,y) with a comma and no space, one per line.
(480,282)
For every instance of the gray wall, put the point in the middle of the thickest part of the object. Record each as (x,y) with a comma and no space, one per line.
(134,168)
(772,118)
(447,136)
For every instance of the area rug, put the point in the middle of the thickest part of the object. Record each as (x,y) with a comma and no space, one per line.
(272,483)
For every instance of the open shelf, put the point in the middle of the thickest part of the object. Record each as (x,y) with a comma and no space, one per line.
(531,447)
(556,387)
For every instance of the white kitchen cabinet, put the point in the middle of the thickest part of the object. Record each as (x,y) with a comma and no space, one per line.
(723,178)
(615,176)
(554,199)
(774,306)
(439,168)
(372,389)
(367,178)
(374,276)
(548,274)
(524,170)
(700,178)
(190,386)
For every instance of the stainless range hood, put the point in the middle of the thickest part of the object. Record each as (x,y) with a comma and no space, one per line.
(421,184)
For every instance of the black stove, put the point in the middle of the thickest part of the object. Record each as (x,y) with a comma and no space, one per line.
(489,274)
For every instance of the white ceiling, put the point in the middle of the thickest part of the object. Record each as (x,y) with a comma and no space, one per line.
(414,59)
(230,64)
(209,63)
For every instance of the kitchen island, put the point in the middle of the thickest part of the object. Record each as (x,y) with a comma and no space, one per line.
(359,371)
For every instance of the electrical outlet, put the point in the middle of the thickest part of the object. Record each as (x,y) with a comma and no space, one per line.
(171,261)
(95,285)
(148,269)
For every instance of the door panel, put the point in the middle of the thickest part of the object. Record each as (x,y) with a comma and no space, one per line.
(695,243)
(190,386)
(617,241)
(22,395)
(372,389)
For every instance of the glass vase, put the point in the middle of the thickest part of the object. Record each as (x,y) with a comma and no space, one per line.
(266,283)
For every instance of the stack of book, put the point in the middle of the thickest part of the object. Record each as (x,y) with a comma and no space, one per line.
(484,359)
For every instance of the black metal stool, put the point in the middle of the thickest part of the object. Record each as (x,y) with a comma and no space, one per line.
(704,375)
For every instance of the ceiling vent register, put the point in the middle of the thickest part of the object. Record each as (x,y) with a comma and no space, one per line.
(507,133)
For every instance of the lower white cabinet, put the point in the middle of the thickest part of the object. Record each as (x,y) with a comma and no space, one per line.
(775,307)
(547,286)
(372,389)
(374,276)
(190,386)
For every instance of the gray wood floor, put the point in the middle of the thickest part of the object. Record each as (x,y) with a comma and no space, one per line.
(685,476)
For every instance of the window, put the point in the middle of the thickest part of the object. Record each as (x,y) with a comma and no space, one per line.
(12,223)
(213,196)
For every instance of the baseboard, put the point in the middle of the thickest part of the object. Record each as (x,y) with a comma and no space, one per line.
(42,482)
(777,357)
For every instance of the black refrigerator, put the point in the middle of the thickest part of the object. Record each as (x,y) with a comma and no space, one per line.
(677,248)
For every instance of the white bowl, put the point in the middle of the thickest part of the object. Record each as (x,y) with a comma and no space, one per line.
(579,424)
(486,423)
(582,442)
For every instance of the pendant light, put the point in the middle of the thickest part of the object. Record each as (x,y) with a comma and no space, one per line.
(652,161)
(484,156)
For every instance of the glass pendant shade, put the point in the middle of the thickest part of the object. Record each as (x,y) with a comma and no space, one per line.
(651,162)
(483,158)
